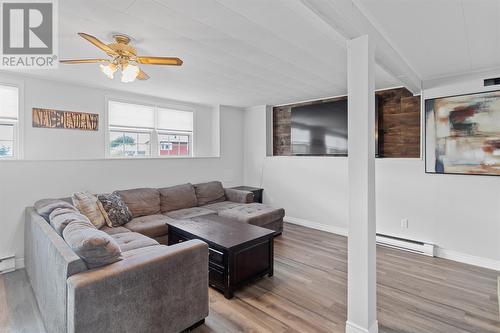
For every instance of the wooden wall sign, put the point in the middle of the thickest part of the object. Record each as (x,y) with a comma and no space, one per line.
(48,118)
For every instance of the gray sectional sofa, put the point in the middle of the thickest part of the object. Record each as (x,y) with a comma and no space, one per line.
(154,288)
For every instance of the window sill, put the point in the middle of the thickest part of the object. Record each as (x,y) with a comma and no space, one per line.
(108,159)
(151,157)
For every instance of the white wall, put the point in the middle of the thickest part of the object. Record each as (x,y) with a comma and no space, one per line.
(60,162)
(460,214)
(57,144)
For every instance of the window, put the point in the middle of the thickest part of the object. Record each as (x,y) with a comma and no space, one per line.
(174,132)
(137,130)
(174,145)
(129,144)
(9,113)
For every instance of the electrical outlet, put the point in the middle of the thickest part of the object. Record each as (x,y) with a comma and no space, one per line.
(404,223)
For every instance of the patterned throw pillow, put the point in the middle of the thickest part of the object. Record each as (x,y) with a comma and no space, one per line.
(89,206)
(116,210)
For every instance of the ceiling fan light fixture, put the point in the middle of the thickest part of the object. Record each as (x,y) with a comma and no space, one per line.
(121,54)
(108,70)
(129,73)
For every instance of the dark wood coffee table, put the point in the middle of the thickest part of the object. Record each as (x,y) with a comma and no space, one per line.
(238,252)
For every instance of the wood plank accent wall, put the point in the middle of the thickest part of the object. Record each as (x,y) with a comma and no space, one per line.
(398,127)
(399,123)
(282,127)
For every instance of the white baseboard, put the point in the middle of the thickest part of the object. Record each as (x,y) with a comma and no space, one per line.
(440,252)
(315,225)
(353,328)
(19,263)
(468,259)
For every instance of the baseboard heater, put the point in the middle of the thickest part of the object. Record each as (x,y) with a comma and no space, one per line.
(7,264)
(406,245)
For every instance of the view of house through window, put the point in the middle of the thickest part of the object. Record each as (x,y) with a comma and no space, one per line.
(137,130)
(174,144)
(9,110)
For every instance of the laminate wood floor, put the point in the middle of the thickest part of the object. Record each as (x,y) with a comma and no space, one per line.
(308,293)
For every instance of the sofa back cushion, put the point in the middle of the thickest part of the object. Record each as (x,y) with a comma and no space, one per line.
(45,206)
(210,192)
(90,206)
(94,246)
(61,217)
(141,201)
(177,197)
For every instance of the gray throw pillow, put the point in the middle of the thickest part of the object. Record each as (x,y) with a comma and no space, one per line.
(117,211)
(61,217)
(45,206)
(95,247)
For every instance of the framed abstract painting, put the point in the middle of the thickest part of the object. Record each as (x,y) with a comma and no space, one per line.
(462,134)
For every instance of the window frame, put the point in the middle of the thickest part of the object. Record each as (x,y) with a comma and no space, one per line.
(18,144)
(154,132)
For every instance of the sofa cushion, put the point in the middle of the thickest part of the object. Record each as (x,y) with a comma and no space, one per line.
(210,192)
(189,213)
(163,240)
(90,206)
(133,240)
(141,201)
(45,206)
(141,251)
(240,196)
(151,226)
(177,197)
(61,217)
(114,230)
(117,212)
(94,246)
(254,213)
(218,206)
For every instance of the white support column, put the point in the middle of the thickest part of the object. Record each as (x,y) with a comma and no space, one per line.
(361,280)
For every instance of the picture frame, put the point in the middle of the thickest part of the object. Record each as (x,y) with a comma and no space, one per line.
(462,134)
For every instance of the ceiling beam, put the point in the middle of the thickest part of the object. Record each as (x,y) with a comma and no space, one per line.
(351,20)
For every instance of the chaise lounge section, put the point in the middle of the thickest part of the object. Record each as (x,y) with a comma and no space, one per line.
(152,208)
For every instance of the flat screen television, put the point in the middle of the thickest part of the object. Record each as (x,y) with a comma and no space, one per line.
(321,129)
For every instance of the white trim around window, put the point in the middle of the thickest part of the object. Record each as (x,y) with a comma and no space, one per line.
(154,132)
(16,123)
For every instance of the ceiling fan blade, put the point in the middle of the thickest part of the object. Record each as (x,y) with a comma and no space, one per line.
(82,61)
(98,43)
(159,61)
(142,75)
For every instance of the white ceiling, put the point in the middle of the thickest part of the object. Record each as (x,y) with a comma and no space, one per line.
(440,38)
(235,52)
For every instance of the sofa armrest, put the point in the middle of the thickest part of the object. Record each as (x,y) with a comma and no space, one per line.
(238,195)
(159,286)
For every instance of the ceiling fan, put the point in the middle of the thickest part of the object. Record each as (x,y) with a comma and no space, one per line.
(123,57)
